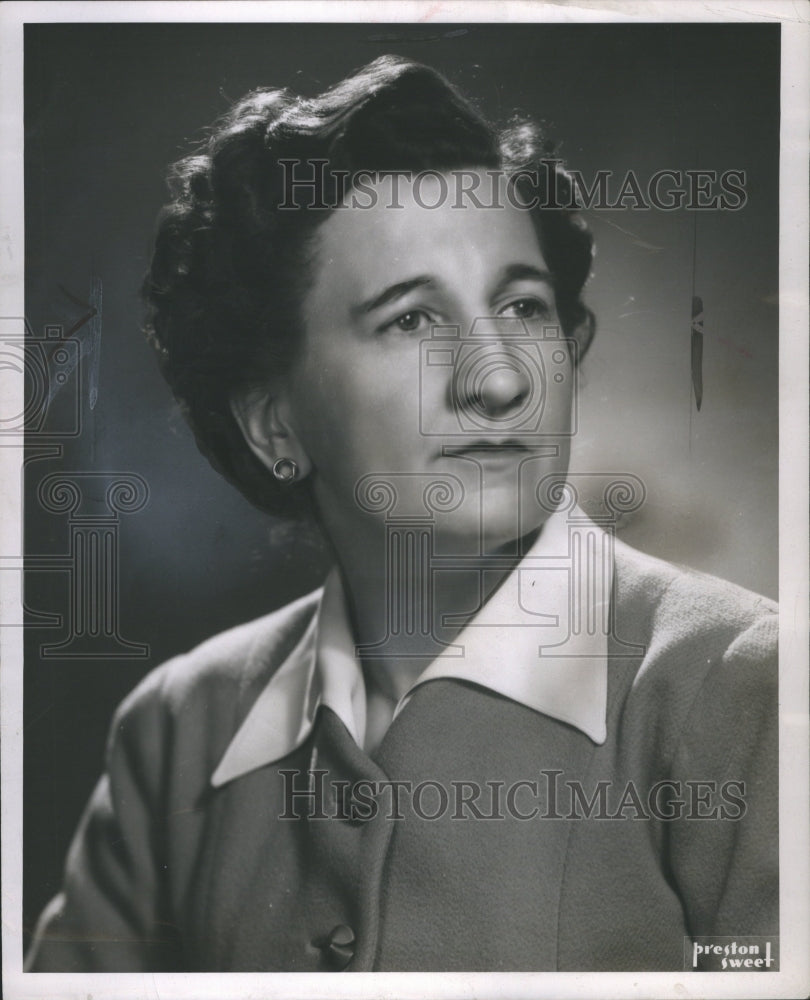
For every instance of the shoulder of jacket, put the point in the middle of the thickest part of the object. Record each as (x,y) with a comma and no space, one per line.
(226,669)
(678,603)
(705,649)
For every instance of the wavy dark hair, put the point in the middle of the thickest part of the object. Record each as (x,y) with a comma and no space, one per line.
(230,269)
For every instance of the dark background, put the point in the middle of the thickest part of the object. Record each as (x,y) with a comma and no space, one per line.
(109,106)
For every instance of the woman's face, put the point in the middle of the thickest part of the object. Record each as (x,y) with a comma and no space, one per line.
(432,353)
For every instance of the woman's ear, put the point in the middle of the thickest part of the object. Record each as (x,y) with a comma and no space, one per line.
(268,433)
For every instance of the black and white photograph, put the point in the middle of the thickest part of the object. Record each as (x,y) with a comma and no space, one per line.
(404,545)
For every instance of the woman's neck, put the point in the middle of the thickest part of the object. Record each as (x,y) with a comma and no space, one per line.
(405,611)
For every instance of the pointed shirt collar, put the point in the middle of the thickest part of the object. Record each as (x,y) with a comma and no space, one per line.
(540,640)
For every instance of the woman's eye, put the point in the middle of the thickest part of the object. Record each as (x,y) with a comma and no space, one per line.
(526,309)
(409,322)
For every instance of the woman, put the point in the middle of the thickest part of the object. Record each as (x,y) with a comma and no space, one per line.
(498,738)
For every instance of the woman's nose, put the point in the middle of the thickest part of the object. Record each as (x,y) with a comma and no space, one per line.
(495,385)
(503,387)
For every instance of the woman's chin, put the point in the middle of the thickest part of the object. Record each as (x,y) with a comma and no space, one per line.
(489,528)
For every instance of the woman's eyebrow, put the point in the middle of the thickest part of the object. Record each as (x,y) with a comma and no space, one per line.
(521,272)
(389,294)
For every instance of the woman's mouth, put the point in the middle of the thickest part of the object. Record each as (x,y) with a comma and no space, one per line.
(489,448)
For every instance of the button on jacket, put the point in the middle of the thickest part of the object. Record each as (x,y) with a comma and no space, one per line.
(584,802)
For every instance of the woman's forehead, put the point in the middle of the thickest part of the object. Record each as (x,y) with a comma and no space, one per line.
(422,227)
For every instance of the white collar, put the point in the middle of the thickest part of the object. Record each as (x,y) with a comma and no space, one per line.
(532,642)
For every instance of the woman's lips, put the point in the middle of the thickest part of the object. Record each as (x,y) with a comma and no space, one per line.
(481,450)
